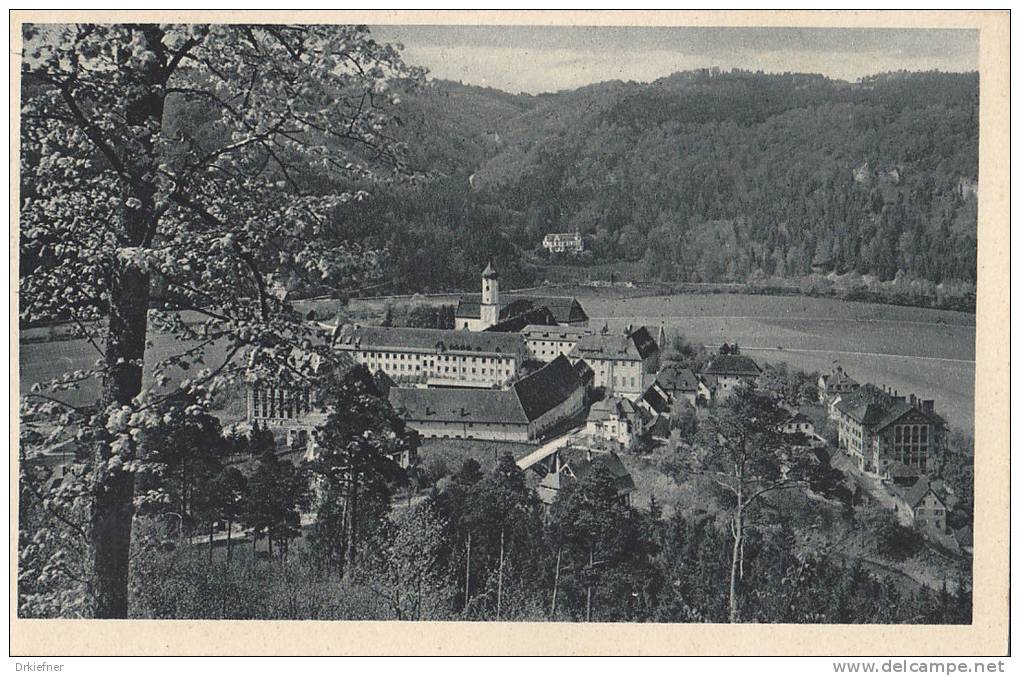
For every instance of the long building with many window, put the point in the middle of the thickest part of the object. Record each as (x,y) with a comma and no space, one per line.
(522,412)
(436,357)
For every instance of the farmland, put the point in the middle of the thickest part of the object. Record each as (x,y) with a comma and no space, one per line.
(928,352)
(924,351)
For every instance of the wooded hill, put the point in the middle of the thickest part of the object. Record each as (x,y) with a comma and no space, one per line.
(701,176)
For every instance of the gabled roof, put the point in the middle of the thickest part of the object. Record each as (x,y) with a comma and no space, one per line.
(838,380)
(913,494)
(732,365)
(619,407)
(531,317)
(566,309)
(448,340)
(458,405)
(872,407)
(583,372)
(547,387)
(673,378)
(656,399)
(526,400)
(635,346)
(575,466)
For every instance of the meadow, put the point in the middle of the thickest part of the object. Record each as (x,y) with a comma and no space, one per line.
(928,352)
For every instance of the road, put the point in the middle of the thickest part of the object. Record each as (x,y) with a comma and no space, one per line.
(548,448)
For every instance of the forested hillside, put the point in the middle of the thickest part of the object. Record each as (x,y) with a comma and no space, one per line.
(700,176)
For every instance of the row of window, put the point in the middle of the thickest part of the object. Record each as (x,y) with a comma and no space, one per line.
(404,356)
(280,403)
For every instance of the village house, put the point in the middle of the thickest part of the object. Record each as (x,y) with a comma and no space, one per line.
(682,383)
(724,372)
(835,384)
(435,357)
(477,312)
(563,242)
(572,465)
(878,428)
(615,422)
(801,430)
(522,412)
(545,343)
(919,506)
(623,363)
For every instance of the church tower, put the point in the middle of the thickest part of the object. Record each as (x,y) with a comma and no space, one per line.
(489,310)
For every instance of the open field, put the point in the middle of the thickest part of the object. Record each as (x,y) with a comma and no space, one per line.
(928,352)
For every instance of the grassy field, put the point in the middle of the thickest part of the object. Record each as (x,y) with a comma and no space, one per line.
(928,352)
(924,351)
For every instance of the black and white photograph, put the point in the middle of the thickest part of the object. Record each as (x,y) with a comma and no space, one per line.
(512,323)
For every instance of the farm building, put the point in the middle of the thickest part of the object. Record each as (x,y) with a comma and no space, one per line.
(522,412)
(725,371)
(573,465)
(682,383)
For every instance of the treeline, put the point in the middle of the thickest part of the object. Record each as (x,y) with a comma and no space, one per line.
(480,549)
(702,177)
(475,545)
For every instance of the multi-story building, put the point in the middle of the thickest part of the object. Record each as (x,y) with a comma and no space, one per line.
(293,415)
(878,428)
(477,312)
(681,383)
(435,357)
(624,364)
(835,384)
(724,372)
(917,504)
(563,242)
(522,412)
(614,422)
(545,343)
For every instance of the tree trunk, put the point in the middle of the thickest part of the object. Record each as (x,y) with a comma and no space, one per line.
(499,580)
(230,527)
(352,526)
(212,529)
(556,581)
(467,572)
(591,569)
(735,565)
(113,492)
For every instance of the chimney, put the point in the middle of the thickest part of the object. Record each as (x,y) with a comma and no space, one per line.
(928,405)
(913,400)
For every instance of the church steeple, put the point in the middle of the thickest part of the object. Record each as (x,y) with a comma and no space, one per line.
(489,309)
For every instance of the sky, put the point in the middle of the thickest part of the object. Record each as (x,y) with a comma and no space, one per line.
(537,59)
